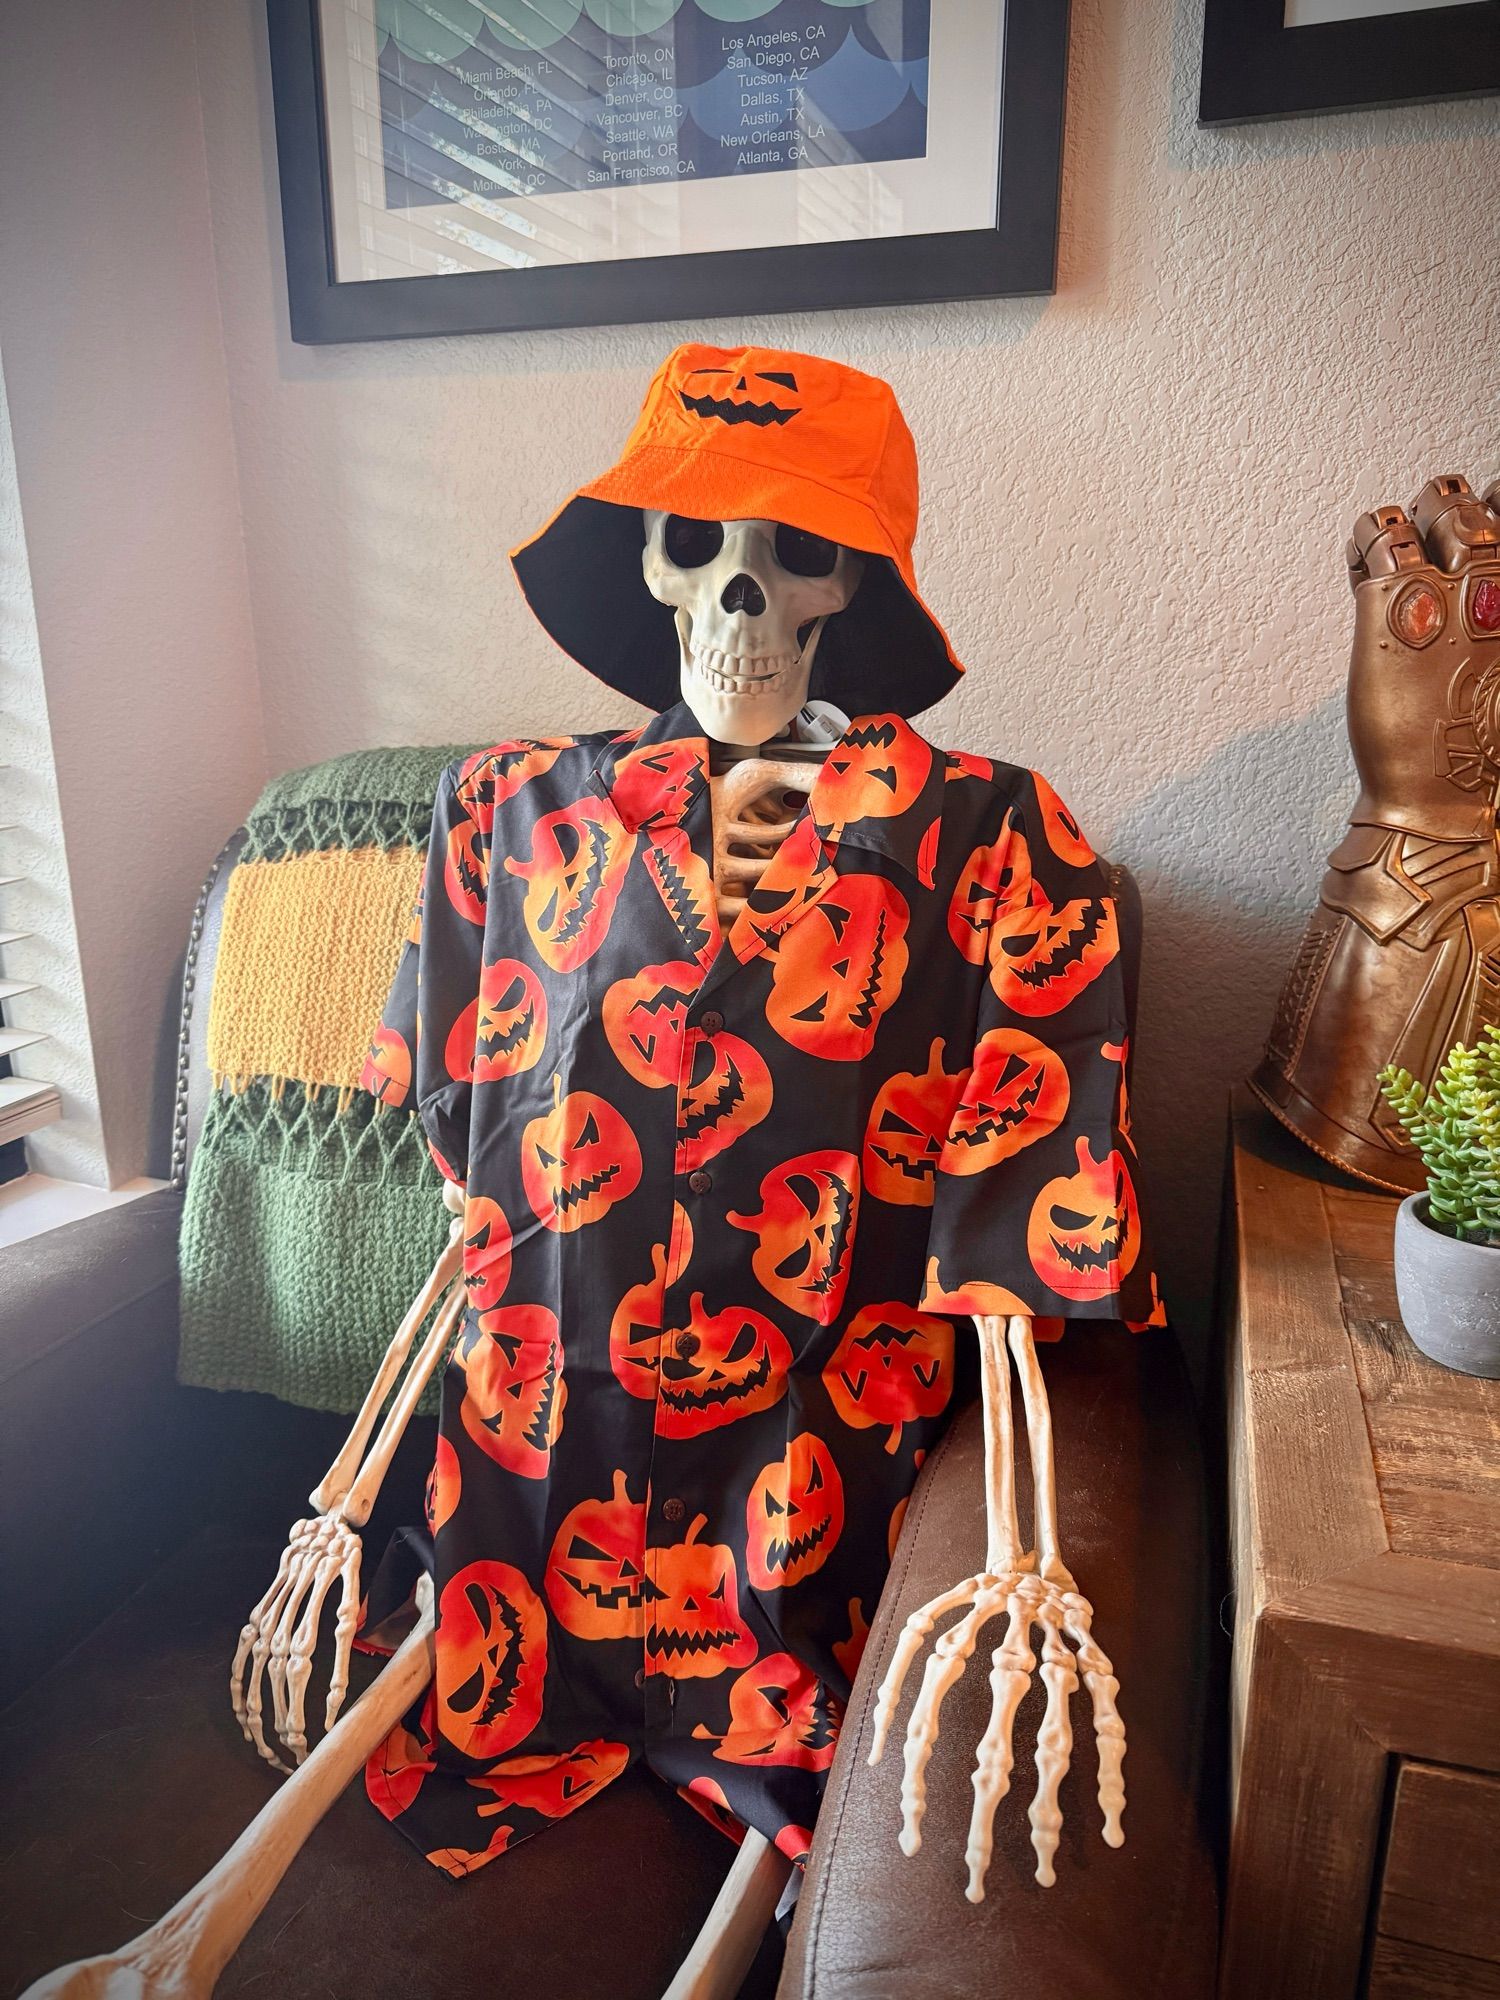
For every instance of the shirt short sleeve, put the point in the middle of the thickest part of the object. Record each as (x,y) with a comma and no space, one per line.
(422,1053)
(1036,1208)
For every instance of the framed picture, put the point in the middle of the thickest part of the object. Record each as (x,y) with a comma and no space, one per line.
(468,166)
(1284,58)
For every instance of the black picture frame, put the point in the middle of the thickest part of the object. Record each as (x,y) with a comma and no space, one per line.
(1255,67)
(1016,257)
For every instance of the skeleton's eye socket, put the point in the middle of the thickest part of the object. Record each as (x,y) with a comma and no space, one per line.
(689,543)
(804,554)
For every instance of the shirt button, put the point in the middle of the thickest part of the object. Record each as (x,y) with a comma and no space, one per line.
(700,1182)
(640,1677)
(673,1509)
(711,1022)
(687,1345)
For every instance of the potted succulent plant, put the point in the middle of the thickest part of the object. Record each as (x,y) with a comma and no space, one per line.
(1448,1239)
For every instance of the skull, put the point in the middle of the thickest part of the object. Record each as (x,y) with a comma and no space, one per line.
(751,600)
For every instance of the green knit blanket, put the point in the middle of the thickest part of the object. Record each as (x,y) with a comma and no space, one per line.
(313,1214)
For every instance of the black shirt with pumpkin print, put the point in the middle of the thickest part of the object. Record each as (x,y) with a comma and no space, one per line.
(729,1202)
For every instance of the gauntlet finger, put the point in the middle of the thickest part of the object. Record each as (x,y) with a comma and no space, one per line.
(1456,528)
(1383,543)
(1011,1666)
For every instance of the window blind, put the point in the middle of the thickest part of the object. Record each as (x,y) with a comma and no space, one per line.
(25,1102)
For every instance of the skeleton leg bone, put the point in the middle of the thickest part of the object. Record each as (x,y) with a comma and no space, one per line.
(1031,1589)
(182,1956)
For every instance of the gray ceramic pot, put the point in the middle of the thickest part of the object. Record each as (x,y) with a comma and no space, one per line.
(1449,1292)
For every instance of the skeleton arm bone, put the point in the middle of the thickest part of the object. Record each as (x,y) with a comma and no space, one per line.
(1031,1588)
(278,1640)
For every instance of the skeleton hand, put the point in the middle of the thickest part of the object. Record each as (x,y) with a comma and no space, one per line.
(1032,1590)
(278,1640)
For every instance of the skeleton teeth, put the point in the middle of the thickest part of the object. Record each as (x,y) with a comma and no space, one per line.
(749,674)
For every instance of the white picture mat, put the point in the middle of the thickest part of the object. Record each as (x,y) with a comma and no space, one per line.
(942,192)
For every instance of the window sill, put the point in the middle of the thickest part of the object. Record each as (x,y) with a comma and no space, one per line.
(36,1202)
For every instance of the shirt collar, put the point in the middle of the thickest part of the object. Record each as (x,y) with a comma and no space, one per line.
(655,775)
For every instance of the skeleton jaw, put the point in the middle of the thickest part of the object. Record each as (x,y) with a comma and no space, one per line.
(741,697)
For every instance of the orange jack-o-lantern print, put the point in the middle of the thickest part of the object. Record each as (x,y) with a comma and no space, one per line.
(491,1659)
(552,1786)
(874,772)
(635,1330)
(387,1068)
(794,1515)
(645,1018)
(995,874)
(727,1091)
(466,872)
(693,1625)
(506,1030)
(493,776)
(577,1161)
(1085,1229)
(511,1361)
(686,886)
(487,1251)
(1059,826)
(396,1772)
(444,1484)
(1016,1093)
(907,1130)
(596,1573)
(839,968)
(1043,955)
(892,1365)
(780,1713)
(718,1368)
(805,1232)
(579,856)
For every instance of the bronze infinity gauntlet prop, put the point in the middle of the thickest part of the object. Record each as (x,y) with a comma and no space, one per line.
(1401,958)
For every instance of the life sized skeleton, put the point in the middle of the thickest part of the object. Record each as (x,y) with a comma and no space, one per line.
(751,599)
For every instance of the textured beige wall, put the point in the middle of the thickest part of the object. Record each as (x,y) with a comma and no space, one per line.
(1136,496)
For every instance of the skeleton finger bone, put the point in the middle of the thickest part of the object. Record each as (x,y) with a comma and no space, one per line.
(913,1632)
(1011,1666)
(1054,1743)
(182,1956)
(945,1666)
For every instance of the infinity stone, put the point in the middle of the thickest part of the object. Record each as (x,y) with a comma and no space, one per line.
(1484,606)
(1418,615)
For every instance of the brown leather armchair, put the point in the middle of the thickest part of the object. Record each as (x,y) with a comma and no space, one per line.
(143,1518)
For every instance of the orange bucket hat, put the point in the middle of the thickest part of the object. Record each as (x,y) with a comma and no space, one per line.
(742,433)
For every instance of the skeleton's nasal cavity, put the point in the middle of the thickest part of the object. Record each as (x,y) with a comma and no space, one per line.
(743,593)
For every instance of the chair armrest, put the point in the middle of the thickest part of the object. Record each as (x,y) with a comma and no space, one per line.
(102,1464)
(872,1922)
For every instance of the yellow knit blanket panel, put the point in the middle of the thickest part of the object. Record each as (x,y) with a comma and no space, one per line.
(309,948)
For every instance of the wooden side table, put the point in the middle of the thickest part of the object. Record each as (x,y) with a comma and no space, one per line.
(1365,1493)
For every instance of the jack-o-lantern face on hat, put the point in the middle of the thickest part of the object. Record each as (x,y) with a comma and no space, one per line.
(645,1016)
(906,1132)
(579,855)
(1085,1229)
(892,1366)
(502,1032)
(491,1659)
(487,1247)
(693,1625)
(577,1161)
(553,1786)
(780,1713)
(1060,827)
(493,776)
(719,1367)
(728,1090)
(839,967)
(1016,1093)
(794,1515)
(596,1573)
(511,1361)
(387,1068)
(805,1232)
(763,397)
(1041,954)
(993,875)
(874,772)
